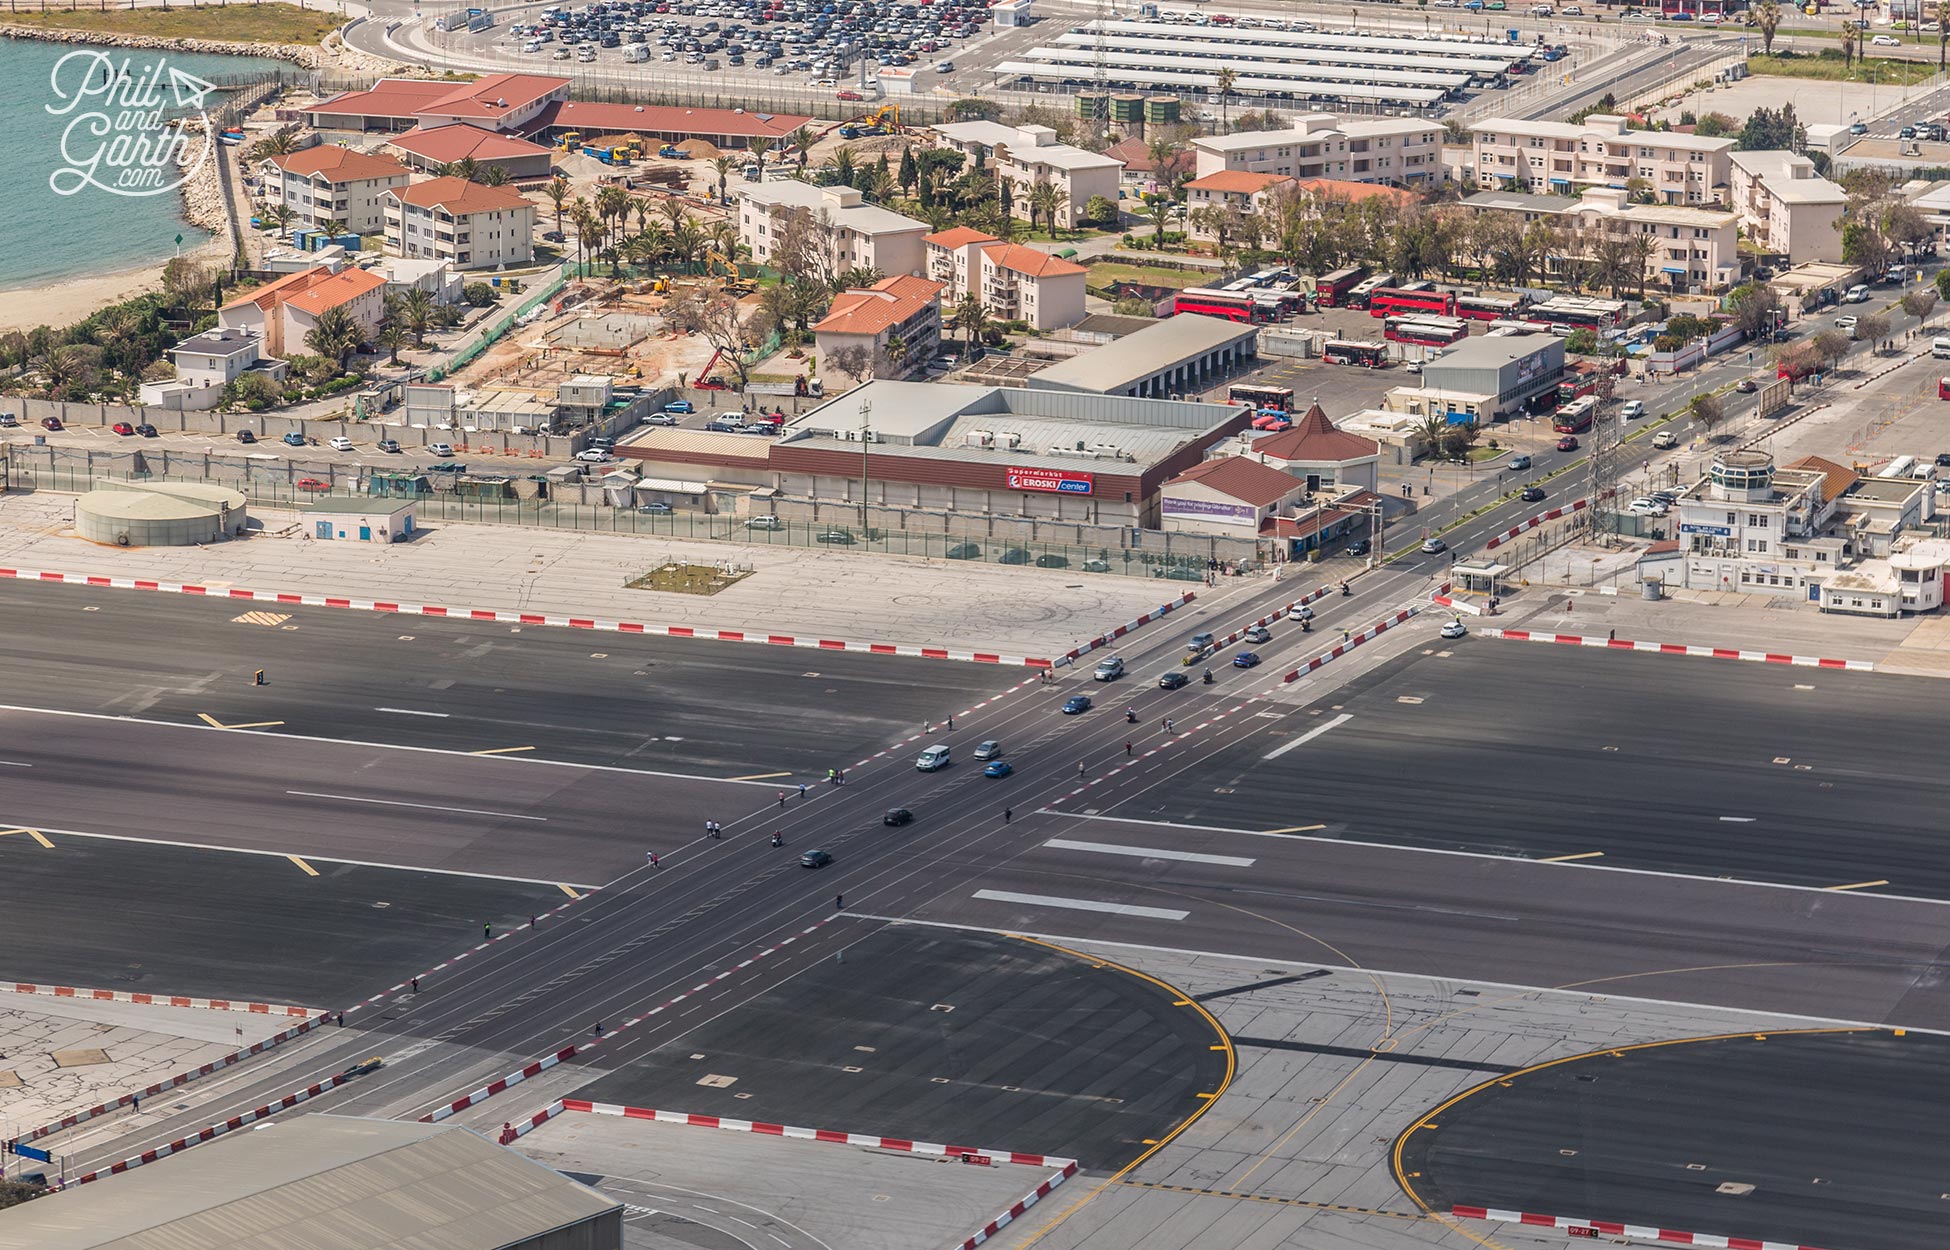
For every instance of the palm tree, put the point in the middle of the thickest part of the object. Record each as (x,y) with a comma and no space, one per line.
(1942,30)
(760,147)
(722,167)
(466,168)
(1767,16)
(557,192)
(843,167)
(652,244)
(724,240)
(392,336)
(896,351)
(801,143)
(332,226)
(673,211)
(492,176)
(335,336)
(1048,199)
(612,205)
(972,319)
(687,243)
(1223,80)
(280,216)
(1848,45)
(642,207)
(1158,209)
(281,142)
(414,312)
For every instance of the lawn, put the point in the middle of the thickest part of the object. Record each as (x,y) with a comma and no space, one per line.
(1106,273)
(243,23)
(1827,65)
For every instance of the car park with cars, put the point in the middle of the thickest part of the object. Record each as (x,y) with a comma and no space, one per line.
(389,445)
(341,443)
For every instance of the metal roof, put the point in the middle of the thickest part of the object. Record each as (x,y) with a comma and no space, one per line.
(1135,357)
(321,1181)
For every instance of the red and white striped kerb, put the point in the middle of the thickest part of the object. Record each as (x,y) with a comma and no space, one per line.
(1367,635)
(543,618)
(1277,614)
(215,1130)
(1540,519)
(1678,648)
(153,1000)
(1104,640)
(1609,1228)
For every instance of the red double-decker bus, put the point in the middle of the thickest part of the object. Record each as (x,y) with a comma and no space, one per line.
(1426,331)
(1491,307)
(1353,352)
(1234,305)
(1394,301)
(1330,290)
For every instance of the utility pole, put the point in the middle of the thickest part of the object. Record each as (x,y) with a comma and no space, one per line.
(1607,453)
(1377,531)
(866,440)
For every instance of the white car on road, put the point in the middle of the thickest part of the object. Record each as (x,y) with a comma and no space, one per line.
(1886,41)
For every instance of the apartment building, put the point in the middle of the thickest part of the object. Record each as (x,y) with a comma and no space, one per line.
(896,322)
(1691,249)
(331,183)
(1029,155)
(1400,151)
(278,315)
(1015,283)
(1787,208)
(853,233)
(468,225)
(1560,158)
(1237,189)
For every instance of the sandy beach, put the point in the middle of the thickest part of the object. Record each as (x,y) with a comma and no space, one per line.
(63,303)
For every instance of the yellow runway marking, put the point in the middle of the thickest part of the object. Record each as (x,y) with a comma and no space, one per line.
(309,871)
(567,890)
(1296,829)
(261,618)
(501,751)
(759,777)
(35,834)
(1859,885)
(1270,1198)
(1565,859)
(214,723)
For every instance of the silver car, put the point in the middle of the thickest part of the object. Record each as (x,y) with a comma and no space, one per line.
(1109,669)
(989,750)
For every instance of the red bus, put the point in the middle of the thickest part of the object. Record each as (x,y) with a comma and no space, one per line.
(1233,305)
(1330,290)
(1575,417)
(1491,307)
(1577,383)
(1262,398)
(1394,301)
(1568,313)
(1353,352)
(1425,331)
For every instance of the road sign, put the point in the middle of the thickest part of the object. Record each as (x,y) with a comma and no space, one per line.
(31,1152)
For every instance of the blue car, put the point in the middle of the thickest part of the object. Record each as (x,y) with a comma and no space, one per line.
(1245,659)
(1000,768)
(680,405)
(294,440)
(1519,463)
(1076,703)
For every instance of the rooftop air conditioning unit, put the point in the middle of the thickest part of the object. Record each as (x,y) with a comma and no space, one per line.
(978,438)
(1012,441)
(1111,448)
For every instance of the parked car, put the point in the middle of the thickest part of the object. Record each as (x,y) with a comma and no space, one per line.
(680,405)
(243,436)
(594,455)
(838,538)
(440,449)
(656,508)
(294,439)
(146,430)
(341,443)
(764,523)
(50,423)
(124,429)
(1857,294)
(1646,507)
(313,484)
(964,551)
(389,445)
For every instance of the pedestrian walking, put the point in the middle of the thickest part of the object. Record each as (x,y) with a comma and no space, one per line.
(341,1019)
(135,1100)
(650,857)
(1611,635)
(1167,724)
(951,721)
(802,789)
(839,902)
(416,985)
(1127,750)
(781,798)
(1079,768)
(599,1028)
(487,930)
(1008,814)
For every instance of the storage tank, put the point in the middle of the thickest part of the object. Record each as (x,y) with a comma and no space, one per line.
(159,514)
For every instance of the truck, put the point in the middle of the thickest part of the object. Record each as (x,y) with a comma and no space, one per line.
(671,152)
(636,53)
(798,386)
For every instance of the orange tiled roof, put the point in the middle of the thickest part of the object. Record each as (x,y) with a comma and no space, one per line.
(887,302)
(1236,182)
(1315,440)
(458,197)
(1245,480)
(1352,191)
(271,294)
(342,287)
(959,237)
(1027,260)
(457,140)
(337,164)
(1835,479)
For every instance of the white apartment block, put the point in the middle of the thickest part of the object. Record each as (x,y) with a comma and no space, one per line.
(1230,189)
(329,183)
(1015,283)
(1561,158)
(1693,249)
(1398,151)
(1787,208)
(856,234)
(468,225)
(1029,155)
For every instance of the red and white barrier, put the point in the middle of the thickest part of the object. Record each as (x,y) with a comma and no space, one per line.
(1679,648)
(1541,518)
(1275,615)
(542,618)
(154,1000)
(1104,640)
(1367,635)
(215,1130)
(1610,1228)
(515,1130)
(546,1062)
(1021,1204)
(174,1082)
(1441,598)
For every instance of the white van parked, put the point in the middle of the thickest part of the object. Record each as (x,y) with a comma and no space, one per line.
(636,52)
(1940,347)
(531,45)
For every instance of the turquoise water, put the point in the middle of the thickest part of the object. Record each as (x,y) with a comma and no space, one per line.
(48,236)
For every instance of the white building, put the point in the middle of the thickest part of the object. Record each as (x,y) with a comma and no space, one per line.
(1787,208)
(1029,155)
(1559,158)
(1319,454)
(1229,495)
(1693,248)
(1399,151)
(468,225)
(896,322)
(329,183)
(855,234)
(402,274)
(1230,189)
(280,314)
(205,364)
(1015,283)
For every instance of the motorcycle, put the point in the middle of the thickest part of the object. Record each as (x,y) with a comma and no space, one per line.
(1130,717)
(778,840)
(1208,676)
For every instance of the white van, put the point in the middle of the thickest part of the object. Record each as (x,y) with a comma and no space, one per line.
(935,757)
(1940,347)
(636,52)
(531,45)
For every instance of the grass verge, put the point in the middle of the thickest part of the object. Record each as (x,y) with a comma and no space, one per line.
(243,23)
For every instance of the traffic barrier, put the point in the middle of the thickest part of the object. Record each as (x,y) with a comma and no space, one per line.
(1367,635)
(1541,518)
(1610,1228)
(1104,640)
(155,1000)
(1680,648)
(215,1130)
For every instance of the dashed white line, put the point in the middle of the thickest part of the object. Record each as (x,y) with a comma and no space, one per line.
(1082,904)
(407,711)
(1307,737)
(425,807)
(1150,852)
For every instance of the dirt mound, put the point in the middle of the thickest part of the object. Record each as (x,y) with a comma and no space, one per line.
(699,150)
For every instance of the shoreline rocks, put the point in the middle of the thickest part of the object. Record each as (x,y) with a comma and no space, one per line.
(298,54)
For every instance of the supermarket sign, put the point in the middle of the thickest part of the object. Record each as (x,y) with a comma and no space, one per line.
(1062,481)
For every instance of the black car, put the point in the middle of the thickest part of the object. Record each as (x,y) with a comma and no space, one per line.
(815,859)
(897,816)
(1746,386)
(837,537)
(1173,680)
(1531,494)
(245,436)
(964,551)
(1943,460)
(146,430)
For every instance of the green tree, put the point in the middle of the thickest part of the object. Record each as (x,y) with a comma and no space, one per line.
(972,320)
(1158,209)
(1942,32)
(1767,16)
(478,294)
(414,311)
(335,336)
(760,147)
(1102,212)
(1848,45)
(1223,81)
(722,167)
(557,192)
(392,336)
(910,170)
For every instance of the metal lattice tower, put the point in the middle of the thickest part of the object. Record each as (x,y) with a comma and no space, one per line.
(1100,74)
(1608,466)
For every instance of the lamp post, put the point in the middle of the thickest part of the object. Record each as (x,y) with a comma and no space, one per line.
(866,436)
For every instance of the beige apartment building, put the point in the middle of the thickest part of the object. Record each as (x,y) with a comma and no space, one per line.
(855,234)
(1787,208)
(1562,158)
(468,225)
(1015,283)
(331,183)
(1230,189)
(1399,151)
(1029,155)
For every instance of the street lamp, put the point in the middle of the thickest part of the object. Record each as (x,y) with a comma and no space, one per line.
(866,436)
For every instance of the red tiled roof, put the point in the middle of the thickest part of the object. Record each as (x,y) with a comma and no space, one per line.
(337,164)
(271,294)
(1352,191)
(1236,182)
(1313,439)
(342,287)
(497,95)
(888,302)
(389,97)
(458,196)
(1245,480)
(1136,155)
(1835,479)
(1027,260)
(656,119)
(1306,526)
(458,140)
(959,237)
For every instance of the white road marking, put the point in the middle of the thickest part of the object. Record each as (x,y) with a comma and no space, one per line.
(407,711)
(426,807)
(1146,852)
(1082,904)
(13,764)
(1738,820)
(1307,737)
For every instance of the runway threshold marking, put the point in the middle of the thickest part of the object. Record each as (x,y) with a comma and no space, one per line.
(309,871)
(1307,737)
(1237,1196)
(425,807)
(758,777)
(1565,859)
(35,834)
(1859,885)
(1082,904)
(501,751)
(214,723)
(1148,852)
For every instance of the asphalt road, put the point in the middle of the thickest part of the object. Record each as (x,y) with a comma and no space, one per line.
(1692,766)
(1851,1161)
(992,1041)
(718,709)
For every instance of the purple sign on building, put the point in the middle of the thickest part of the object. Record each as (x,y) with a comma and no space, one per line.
(1243,513)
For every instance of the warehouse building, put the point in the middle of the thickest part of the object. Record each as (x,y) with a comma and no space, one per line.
(1179,356)
(327,1182)
(1499,374)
